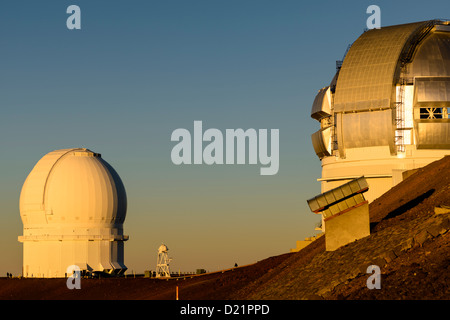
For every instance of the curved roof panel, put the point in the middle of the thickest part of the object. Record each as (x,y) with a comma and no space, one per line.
(72,186)
(432,58)
(34,192)
(322,104)
(367,75)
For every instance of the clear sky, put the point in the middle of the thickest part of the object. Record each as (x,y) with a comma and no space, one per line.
(136,71)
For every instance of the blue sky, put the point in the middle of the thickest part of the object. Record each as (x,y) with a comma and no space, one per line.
(136,71)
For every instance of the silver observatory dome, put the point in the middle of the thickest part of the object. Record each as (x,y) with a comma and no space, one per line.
(386,111)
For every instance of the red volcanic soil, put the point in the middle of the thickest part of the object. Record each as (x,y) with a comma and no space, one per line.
(408,241)
(215,285)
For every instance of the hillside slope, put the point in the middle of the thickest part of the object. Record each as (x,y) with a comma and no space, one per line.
(408,241)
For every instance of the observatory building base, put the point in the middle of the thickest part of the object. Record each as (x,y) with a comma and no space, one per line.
(345,213)
(347,226)
(50,259)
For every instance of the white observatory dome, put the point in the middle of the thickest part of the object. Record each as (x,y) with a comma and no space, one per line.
(72,187)
(73,205)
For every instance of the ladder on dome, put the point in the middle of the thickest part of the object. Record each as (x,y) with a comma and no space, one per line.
(406,57)
(400,121)
(400,118)
(408,51)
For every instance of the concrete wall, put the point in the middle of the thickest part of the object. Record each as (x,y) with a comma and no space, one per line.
(347,227)
(50,259)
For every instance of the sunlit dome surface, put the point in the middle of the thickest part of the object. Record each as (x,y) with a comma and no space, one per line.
(387,109)
(73,205)
(72,186)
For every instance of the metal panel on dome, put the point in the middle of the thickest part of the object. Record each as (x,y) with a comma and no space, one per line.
(433,134)
(366,78)
(321,141)
(365,129)
(431,99)
(322,104)
(432,57)
(432,92)
(442,28)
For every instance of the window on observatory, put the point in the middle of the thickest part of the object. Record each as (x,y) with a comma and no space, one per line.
(432,113)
